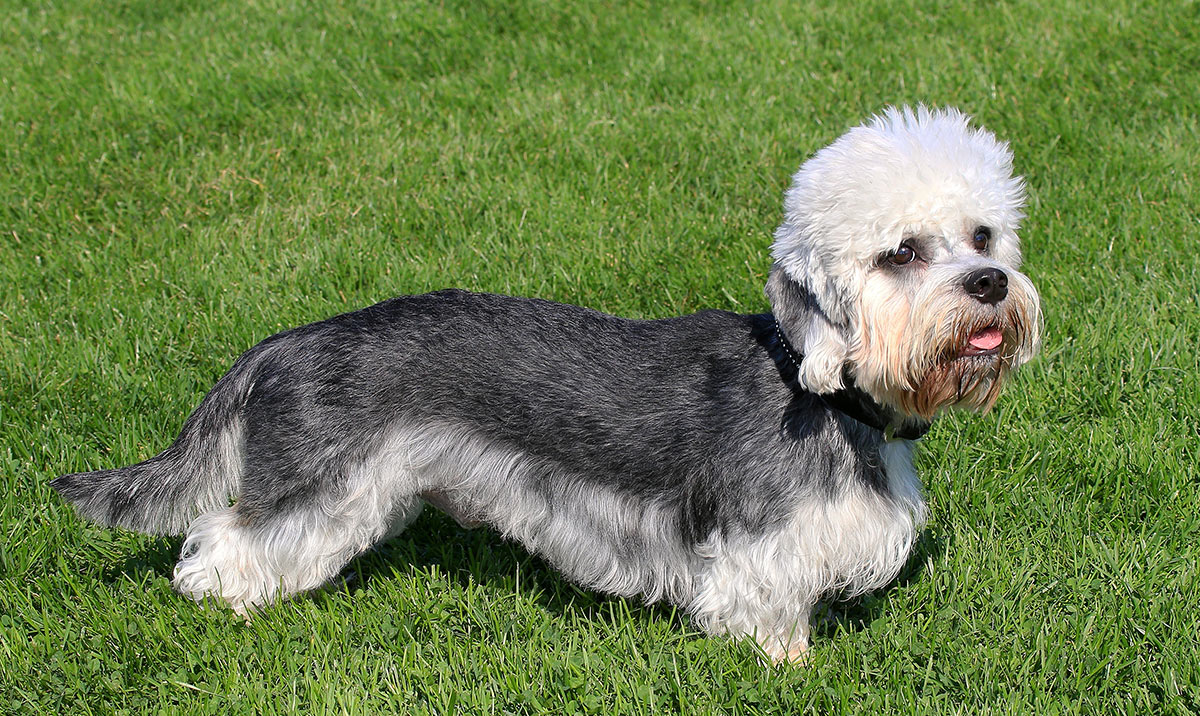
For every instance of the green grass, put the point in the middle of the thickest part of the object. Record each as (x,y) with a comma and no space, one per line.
(182,179)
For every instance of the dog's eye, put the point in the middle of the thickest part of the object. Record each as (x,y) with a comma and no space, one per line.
(903,255)
(982,239)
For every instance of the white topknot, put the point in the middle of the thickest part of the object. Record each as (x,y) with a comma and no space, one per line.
(905,170)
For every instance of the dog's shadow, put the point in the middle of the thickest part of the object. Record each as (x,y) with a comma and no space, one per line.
(857,613)
(435,543)
(483,557)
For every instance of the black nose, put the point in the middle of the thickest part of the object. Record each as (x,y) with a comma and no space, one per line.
(987,285)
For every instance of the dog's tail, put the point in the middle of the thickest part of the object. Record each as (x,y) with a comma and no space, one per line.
(197,473)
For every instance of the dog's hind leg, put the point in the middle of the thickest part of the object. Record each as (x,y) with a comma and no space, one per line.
(248,557)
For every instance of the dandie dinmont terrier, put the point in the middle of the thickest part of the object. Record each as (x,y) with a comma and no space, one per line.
(739,466)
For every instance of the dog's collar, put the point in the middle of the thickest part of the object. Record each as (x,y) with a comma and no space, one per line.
(850,400)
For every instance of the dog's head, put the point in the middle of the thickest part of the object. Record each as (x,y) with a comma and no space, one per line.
(896,263)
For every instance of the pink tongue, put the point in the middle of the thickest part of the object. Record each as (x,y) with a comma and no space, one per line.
(986,339)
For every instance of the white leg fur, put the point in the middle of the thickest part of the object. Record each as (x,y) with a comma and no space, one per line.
(249,566)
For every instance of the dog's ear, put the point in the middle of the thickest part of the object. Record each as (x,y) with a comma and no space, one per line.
(810,330)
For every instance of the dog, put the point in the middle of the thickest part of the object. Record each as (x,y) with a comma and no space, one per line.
(742,467)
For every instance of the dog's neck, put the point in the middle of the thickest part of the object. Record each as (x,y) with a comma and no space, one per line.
(850,400)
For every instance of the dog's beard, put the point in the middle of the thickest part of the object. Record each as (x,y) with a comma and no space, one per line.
(968,382)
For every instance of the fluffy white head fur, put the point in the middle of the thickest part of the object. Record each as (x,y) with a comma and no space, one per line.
(928,178)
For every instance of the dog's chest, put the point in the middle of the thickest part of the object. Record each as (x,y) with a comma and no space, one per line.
(860,537)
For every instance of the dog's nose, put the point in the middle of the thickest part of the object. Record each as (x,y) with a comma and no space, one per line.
(987,285)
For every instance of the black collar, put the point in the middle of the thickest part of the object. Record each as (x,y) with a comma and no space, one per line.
(850,400)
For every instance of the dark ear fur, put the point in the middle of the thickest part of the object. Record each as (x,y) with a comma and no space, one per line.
(810,331)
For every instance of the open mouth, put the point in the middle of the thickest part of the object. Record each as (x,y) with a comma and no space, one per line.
(985,342)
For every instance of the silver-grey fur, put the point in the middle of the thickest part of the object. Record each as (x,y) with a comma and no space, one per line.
(679,459)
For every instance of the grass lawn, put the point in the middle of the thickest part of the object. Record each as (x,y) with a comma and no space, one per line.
(181,179)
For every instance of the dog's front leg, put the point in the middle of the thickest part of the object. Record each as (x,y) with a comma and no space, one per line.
(787,646)
(765,603)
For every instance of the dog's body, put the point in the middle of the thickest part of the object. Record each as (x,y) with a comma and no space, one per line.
(701,459)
